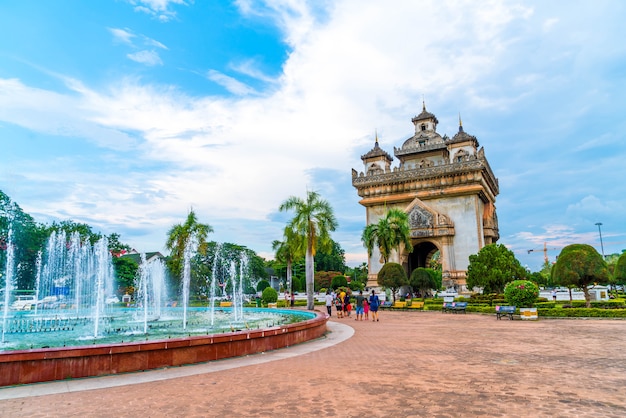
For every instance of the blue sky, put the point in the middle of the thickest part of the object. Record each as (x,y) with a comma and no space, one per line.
(126,114)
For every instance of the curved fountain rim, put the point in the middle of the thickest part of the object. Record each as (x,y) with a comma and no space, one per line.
(313,316)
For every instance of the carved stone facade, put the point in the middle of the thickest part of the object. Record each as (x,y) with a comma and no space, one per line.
(446,187)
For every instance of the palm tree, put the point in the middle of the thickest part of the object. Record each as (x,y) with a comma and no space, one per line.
(388,234)
(288,250)
(177,238)
(313,220)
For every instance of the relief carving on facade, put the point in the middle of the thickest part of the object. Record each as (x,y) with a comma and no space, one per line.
(420,218)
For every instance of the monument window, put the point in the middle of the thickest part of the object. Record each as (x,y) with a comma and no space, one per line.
(422,143)
(423,126)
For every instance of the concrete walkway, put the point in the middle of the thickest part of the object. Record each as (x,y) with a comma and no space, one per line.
(419,364)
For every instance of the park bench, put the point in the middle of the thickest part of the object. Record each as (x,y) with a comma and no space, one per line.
(399,305)
(454,307)
(505,311)
(226,304)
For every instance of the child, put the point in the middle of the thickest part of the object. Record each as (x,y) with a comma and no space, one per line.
(366,309)
(339,306)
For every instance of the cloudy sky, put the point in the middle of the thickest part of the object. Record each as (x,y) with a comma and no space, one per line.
(124,114)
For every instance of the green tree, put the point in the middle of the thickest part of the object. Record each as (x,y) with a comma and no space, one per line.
(492,268)
(388,234)
(392,276)
(177,238)
(69,227)
(313,220)
(28,238)
(323,279)
(423,280)
(333,261)
(262,285)
(125,274)
(288,250)
(117,247)
(580,265)
(521,293)
(339,281)
(269,295)
(619,273)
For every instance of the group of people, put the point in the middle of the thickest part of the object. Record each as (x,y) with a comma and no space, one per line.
(343,305)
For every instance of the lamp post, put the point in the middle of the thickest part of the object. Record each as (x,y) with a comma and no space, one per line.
(600,232)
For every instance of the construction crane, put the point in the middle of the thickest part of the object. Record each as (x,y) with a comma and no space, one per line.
(545,251)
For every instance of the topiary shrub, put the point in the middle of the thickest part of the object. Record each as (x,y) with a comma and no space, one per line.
(262,285)
(339,281)
(521,293)
(269,295)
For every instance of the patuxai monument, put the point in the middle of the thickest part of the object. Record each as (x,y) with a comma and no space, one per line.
(446,187)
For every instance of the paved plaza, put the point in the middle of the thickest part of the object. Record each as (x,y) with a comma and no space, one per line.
(410,364)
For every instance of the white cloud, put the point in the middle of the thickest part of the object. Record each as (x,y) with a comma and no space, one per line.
(122,35)
(231,84)
(353,68)
(150,58)
(160,9)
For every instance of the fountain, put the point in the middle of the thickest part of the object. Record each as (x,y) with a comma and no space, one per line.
(69,329)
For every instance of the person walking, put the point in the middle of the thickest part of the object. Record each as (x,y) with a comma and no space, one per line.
(329,302)
(347,306)
(374,304)
(339,306)
(359,306)
(366,309)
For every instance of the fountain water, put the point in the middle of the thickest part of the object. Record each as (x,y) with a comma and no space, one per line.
(8,282)
(151,290)
(73,279)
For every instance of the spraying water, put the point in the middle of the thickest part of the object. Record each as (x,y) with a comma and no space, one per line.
(218,248)
(190,250)
(151,290)
(8,281)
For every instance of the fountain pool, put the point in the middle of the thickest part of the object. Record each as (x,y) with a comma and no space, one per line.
(70,330)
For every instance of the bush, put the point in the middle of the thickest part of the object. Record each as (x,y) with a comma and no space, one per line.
(356,286)
(262,285)
(269,295)
(339,281)
(521,293)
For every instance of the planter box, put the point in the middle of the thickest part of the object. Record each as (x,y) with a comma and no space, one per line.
(528,313)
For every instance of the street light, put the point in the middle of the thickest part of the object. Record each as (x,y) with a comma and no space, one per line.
(600,231)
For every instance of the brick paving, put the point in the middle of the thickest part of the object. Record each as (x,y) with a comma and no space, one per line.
(410,364)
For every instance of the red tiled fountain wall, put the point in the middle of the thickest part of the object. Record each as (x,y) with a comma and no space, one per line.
(42,365)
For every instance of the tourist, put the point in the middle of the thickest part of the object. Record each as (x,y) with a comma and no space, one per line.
(339,306)
(329,302)
(366,309)
(553,295)
(374,304)
(347,306)
(359,306)
(293,299)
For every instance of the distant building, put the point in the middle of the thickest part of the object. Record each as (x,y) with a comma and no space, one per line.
(136,256)
(446,187)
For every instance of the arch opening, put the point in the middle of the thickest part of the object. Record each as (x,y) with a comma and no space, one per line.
(424,254)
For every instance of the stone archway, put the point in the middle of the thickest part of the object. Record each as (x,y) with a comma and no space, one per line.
(447,189)
(421,255)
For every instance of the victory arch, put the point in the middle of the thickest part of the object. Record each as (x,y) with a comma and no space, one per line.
(446,187)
